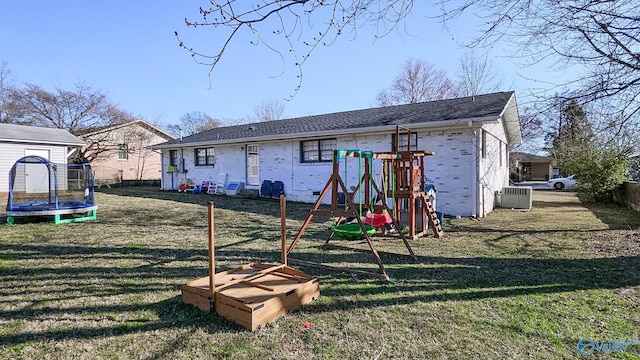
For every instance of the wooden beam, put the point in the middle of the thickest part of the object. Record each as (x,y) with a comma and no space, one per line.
(283,228)
(250,277)
(212,263)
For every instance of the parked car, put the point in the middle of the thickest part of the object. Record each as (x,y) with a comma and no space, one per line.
(568,182)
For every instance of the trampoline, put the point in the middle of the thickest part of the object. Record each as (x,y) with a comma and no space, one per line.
(38,187)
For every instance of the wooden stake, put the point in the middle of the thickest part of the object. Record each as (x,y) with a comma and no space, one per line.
(283,228)
(212,263)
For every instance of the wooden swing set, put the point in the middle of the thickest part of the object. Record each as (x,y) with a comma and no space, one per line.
(403,183)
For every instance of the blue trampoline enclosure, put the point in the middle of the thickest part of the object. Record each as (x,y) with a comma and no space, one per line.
(38,187)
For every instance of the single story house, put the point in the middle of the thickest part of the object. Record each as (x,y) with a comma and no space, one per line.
(17,141)
(469,135)
(125,152)
(532,167)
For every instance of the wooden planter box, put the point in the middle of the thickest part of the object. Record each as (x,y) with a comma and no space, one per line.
(254,294)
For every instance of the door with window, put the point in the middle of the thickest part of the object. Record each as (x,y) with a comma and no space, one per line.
(253,169)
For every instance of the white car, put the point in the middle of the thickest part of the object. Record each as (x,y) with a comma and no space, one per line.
(568,182)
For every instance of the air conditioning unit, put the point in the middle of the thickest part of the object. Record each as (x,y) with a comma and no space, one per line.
(516,197)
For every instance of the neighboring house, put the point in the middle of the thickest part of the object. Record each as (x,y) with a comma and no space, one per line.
(469,136)
(531,167)
(127,155)
(17,141)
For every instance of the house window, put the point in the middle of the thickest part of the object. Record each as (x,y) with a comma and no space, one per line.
(123,152)
(173,157)
(484,144)
(500,145)
(317,150)
(205,157)
(404,142)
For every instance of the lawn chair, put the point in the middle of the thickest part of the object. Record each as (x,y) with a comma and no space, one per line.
(185,185)
(265,189)
(277,189)
(211,188)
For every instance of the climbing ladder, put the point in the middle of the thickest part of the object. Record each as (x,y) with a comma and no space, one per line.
(432,216)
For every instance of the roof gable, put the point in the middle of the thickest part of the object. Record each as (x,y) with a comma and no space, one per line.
(490,107)
(141,123)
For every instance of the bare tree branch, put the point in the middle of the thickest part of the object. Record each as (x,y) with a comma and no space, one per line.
(269,110)
(417,81)
(303,24)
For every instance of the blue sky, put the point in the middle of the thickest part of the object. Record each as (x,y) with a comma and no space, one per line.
(128,49)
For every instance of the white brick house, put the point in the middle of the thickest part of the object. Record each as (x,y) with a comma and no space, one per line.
(469,136)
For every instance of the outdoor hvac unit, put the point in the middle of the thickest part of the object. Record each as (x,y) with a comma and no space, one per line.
(516,197)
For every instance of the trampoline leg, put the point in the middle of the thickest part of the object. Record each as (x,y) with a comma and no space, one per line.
(56,219)
(10,220)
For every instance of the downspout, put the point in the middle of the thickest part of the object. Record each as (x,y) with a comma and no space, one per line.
(161,171)
(478,186)
(475,170)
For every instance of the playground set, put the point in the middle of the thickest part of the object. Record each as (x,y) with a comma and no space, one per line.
(39,188)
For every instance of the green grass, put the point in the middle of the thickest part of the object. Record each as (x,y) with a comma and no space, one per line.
(512,285)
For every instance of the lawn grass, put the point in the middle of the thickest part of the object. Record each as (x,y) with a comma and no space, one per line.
(512,285)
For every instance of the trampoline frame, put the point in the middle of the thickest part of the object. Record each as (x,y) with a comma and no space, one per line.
(63,211)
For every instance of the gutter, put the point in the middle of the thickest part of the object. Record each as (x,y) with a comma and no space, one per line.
(40,142)
(475,171)
(447,124)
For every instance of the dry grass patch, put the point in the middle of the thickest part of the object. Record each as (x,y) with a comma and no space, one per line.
(512,285)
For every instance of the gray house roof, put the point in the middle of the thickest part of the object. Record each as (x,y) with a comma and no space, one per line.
(37,135)
(151,128)
(522,156)
(459,111)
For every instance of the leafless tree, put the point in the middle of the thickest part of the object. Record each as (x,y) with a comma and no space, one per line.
(8,109)
(79,111)
(478,75)
(138,141)
(599,36)
(269,110)
(192,123)
(417,81)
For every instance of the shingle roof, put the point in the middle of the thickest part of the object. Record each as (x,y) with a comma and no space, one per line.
(490,106)
(522,156)
(39,135)
(138,122)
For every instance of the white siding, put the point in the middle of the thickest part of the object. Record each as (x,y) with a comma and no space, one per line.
(11,152)
(494,168)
